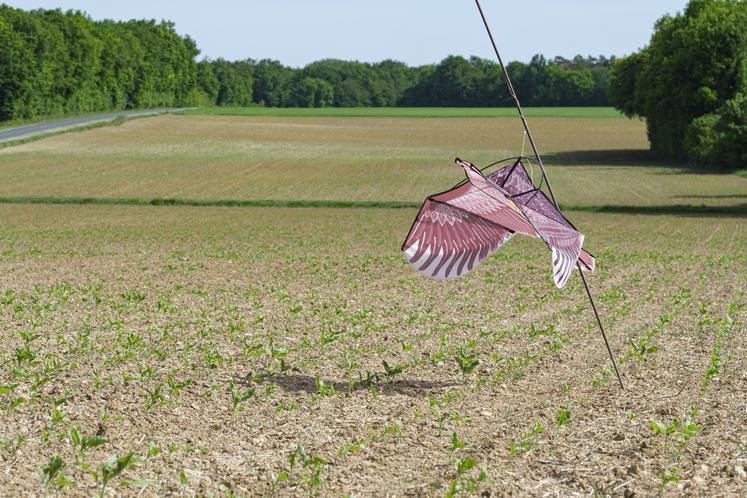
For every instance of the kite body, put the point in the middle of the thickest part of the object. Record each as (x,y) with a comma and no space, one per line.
(457,229)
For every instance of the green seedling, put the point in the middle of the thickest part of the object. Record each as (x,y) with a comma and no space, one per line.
(273,352)
(26,354)
(351,448)
(238,397)
(133,296)
(84,443)
(392,372)
(527,440)
(461,482)
(324,388)
(671,476)
(563,417)
(154,398)
(676,430)
(640,349)
(456,444)
(112,468)
(467,362)
(331,336)
(153,451)
(12,401)
(176,387)
(312,464)
(370,380)
(56,415)
(52,470)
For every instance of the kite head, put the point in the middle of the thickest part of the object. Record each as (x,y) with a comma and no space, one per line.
(464,164)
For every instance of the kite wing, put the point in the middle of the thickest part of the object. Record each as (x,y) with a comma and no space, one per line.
(446,242)
(564,243)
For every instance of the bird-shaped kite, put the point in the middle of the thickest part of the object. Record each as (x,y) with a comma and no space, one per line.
(457,229)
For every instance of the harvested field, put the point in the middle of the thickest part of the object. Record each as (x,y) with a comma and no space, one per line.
(292,352)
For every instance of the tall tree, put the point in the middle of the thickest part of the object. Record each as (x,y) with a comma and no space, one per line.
(695,63)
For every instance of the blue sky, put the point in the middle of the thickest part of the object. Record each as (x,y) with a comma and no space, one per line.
(297,32)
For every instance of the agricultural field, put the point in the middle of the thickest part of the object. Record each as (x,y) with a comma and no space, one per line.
(226,345)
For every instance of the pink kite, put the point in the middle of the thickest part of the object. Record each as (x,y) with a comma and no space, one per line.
(457,229)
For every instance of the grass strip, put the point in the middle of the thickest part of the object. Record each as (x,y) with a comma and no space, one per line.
(675,209)
(208,202)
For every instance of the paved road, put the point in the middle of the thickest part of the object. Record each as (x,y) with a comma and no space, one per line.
(23,131)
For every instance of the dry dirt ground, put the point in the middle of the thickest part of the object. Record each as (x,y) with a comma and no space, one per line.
(206,351)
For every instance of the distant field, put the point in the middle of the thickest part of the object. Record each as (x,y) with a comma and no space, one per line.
(411,112)
(592,162)
(207,350)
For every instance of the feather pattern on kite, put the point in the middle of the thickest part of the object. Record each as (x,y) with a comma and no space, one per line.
(457,229)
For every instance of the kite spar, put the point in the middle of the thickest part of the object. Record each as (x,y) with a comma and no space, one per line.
(455,230)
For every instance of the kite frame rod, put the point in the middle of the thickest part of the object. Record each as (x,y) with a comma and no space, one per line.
(512,91)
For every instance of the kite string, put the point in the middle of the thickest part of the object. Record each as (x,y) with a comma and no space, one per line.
(512,91)
(531,171)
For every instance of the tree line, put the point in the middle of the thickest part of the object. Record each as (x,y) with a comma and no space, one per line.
(54,62)
(454,82)
(690,84)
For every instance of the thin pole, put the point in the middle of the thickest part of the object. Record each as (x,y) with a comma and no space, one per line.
(594,307)
(512,91)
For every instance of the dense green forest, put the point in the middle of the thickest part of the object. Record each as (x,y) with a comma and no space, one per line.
(58,63)
(690,83)
(54,63)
